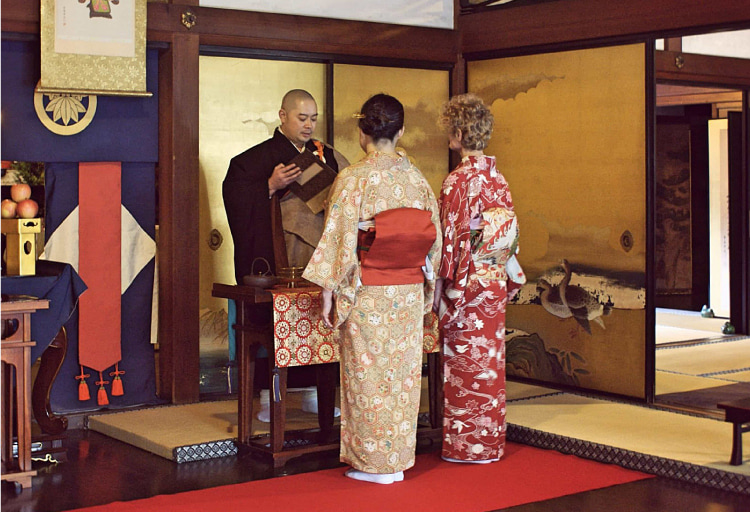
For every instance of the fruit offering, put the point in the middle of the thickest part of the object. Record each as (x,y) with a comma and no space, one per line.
(20,204)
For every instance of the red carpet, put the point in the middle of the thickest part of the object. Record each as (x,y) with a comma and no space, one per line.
(524,475)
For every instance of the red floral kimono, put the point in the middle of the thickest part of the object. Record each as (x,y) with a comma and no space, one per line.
(472,310)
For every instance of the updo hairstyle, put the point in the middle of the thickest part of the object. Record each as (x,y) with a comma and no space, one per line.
(381,117)
(468,113)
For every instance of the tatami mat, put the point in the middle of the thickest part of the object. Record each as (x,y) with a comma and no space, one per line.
(688,320)
(691,439)
(670,382)
(707,359)
(162,430)
(669,334)
(741,376)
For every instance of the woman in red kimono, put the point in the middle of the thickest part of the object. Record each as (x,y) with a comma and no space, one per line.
(480,234)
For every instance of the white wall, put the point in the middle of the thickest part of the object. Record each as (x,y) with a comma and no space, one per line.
(721,44)
(424,13)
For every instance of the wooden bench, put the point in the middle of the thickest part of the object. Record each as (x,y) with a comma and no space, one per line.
(737,413)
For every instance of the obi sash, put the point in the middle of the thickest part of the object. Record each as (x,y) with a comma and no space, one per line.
(394,251)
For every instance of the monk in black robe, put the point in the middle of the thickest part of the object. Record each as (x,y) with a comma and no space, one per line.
(254,176)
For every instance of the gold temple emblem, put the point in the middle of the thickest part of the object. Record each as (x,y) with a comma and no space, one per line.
(65,113)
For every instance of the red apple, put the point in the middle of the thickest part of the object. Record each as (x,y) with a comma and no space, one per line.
(20,191)
(8,209)
(27,209)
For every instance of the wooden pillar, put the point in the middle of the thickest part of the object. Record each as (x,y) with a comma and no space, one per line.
(178,177)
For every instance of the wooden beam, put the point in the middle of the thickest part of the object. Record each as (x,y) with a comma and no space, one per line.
(178,177)
(286,33)
(587,21)
(668,95)
(20,16)
(702,69)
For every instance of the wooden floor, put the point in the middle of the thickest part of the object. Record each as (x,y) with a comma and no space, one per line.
(101,470)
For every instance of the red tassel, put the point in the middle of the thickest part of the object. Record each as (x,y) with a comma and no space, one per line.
(83,388)
(117,381)
(117,387)
(83,391)
(101,397)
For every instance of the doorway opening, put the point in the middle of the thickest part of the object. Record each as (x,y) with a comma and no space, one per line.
(697,349)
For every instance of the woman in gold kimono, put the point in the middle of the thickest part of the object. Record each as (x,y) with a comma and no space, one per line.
(375,259)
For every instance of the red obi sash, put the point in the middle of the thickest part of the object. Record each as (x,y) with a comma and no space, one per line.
(395,251)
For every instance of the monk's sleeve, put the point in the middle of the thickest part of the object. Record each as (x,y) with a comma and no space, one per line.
(245,195)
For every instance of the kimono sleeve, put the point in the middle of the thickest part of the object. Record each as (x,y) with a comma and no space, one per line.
(454,220)
(334,264)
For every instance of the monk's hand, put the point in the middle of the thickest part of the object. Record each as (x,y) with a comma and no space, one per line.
(327,307)
(282,176)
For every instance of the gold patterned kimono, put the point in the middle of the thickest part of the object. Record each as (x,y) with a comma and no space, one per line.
(381,326)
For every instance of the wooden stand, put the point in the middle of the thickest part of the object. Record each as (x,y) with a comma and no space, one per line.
(738,414)
(279,445)
(16,408)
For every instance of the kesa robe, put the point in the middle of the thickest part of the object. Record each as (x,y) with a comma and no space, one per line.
(472,313)
(381,325)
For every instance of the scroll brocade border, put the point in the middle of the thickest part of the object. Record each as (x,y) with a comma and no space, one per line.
(92,74)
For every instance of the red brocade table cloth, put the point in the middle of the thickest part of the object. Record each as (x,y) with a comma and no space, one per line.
(300,336)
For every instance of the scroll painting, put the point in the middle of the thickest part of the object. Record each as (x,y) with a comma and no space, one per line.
(96,47)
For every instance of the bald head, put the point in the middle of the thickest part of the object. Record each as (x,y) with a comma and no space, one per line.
(299,115)
(295,96)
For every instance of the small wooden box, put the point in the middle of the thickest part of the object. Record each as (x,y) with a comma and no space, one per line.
(20,244)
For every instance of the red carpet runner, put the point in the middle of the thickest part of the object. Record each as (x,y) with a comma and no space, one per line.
(524,475)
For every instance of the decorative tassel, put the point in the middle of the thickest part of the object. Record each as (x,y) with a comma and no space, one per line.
(83,388)
(101,397)
(117,381)
(83,391)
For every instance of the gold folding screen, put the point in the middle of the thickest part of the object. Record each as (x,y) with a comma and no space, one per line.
(570,137)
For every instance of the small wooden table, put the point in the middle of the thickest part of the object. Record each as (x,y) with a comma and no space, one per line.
(283,447)
(16,351)
(737,413)
(250,337)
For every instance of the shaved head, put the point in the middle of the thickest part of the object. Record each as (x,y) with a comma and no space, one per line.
(293,97)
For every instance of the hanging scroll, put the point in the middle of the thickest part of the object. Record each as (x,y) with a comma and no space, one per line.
(93,47)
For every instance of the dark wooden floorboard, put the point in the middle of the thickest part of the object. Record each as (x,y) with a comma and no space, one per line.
(101,470)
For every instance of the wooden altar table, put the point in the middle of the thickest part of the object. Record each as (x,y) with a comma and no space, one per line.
(16,352)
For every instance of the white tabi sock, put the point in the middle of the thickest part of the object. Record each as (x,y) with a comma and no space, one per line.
(376,478)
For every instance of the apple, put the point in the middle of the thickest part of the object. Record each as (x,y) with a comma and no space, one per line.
(8,208)
(20,191)
(27,209)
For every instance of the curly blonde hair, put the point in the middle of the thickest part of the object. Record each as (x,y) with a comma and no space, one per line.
(468,113)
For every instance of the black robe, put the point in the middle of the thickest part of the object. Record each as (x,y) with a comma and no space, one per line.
(245,192)
(248,208)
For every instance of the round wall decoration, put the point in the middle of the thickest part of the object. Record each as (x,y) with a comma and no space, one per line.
(63,113)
